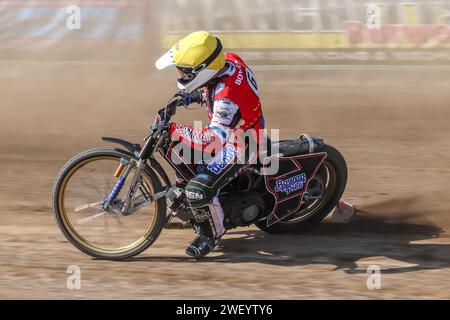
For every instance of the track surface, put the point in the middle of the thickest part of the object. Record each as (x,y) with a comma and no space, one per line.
(396,141)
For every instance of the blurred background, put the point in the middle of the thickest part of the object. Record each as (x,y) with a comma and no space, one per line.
(371,78)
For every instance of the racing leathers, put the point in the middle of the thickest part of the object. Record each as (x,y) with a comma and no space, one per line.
(233,105)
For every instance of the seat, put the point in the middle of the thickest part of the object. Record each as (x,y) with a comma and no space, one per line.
(296,146)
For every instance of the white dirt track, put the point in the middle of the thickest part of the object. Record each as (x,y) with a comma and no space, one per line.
(396,141)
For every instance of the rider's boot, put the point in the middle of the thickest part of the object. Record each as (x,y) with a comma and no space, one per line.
(209,223)
(201,246)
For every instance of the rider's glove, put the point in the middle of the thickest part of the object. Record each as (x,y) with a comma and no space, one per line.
(179,99)
(186,99)
(197,96)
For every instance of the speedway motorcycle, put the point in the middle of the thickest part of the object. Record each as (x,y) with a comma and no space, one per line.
(113,203)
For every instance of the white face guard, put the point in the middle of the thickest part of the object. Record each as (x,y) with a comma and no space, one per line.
(196,80)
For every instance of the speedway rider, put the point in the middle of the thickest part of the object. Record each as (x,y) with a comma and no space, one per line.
(224,83)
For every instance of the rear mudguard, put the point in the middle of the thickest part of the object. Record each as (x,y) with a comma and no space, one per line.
(290,183)
(133,149)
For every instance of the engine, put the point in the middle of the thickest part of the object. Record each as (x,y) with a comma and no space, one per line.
(241,209)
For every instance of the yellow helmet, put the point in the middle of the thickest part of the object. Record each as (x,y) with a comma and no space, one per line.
(198,57)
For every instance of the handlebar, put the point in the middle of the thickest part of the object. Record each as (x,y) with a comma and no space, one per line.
(157,132)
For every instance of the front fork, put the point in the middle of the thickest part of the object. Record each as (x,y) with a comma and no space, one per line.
(122,175)
(146,152)
(133,187)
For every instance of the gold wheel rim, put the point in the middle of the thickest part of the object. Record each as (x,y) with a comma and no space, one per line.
(80,239)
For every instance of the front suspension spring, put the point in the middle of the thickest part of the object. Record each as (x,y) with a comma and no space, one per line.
(115,191)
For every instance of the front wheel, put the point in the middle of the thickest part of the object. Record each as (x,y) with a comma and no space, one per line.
(322,195)
(80,189)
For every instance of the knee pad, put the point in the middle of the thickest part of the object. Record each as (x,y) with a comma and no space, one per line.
(198,193)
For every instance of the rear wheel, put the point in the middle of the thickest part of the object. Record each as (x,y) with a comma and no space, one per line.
(80,188)
(322,195)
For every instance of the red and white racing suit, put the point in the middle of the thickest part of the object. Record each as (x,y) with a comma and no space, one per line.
(234,107)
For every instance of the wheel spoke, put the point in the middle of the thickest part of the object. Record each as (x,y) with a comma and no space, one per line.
(91,218)
(87,206)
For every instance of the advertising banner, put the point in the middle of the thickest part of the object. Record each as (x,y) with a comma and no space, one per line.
(326,31)
(76,29)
